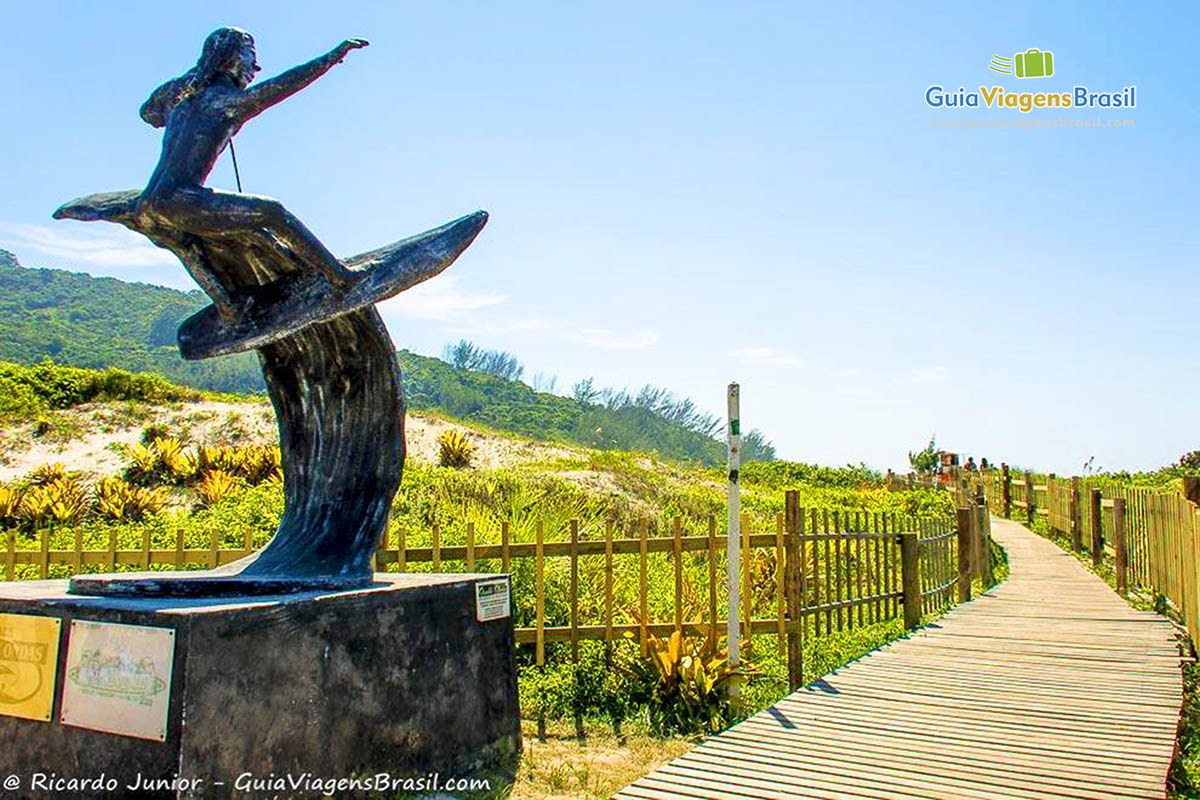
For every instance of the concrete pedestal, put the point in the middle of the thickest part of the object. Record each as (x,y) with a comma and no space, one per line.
(398,678)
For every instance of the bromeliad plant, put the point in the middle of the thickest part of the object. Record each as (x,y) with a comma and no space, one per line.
(686,683)
(216,485)
(454,449)
(119,500)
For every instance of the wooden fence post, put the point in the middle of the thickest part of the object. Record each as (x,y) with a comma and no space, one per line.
(579,731)
(1006,490)
(539,590)
(10,558)
(973,526)
(1097,529)
(1030,506)
(1120,545)
(793,576)
(1050,507)
(910,579)
(1076,525)
(964,555)
(644,608)
(986,574)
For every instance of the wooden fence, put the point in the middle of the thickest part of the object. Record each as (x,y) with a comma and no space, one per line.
(1151,536)
(817,572)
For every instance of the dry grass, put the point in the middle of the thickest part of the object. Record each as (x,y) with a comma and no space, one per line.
(565,768)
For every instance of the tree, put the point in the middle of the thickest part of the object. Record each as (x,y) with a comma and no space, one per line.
(585,392)
(924,462)
(544,383)
(755,447)
(467,355)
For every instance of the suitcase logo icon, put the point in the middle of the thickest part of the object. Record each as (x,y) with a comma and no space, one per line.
(1033,63)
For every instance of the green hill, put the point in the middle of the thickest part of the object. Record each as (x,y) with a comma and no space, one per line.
(84,321)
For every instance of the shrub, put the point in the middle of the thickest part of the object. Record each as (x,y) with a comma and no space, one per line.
(47,474)
(259,462)
(47,385)
(155,431)
(225,459)
(19,400)
(143,462)
(120,500)
(174,463)
(588,689)
(685,682)
(10,502)
(216,485)
(66,502)
(34,507)
(455,450)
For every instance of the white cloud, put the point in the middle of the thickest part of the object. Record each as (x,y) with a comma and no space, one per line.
(442,299)
(605,339)
(936,374)
(480,327)
(767,357)
(75,246)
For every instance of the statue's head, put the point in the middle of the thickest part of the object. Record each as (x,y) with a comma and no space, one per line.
(228,50)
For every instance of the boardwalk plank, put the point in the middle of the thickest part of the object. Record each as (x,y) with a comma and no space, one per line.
(1048,686)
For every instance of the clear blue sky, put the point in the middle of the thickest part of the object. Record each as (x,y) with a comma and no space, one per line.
(688,194)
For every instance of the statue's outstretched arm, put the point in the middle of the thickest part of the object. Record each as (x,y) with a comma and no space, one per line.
(266,94)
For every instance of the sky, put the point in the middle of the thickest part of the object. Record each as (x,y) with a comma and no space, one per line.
(688,194)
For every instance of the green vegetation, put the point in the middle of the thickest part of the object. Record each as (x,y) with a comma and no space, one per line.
(1166,478)
(27,392)
(651,421)
(94,322)
(210,495)
(69,318)
(561,765)
(924,462)
(454,449)
(466,355)
(1184,780)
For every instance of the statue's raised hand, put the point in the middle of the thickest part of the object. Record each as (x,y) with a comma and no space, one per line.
(348,45)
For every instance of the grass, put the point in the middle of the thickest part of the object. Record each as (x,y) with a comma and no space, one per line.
(564,766)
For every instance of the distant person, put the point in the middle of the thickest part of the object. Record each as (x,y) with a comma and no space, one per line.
(970,465)
(983,464)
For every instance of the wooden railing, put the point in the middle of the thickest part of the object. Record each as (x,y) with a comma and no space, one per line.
(818,572)
(1150,536)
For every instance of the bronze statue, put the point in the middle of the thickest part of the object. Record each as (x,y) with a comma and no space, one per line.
(329,363)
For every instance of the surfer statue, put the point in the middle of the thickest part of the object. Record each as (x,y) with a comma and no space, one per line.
(329,364)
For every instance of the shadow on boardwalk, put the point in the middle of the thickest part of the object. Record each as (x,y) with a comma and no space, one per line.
(1049,685)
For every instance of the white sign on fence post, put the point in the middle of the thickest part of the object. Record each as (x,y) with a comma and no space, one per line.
(734,526)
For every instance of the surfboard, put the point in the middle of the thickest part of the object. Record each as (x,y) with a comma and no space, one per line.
(295,301)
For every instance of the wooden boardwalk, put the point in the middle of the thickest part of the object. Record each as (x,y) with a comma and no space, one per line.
(1048,686)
